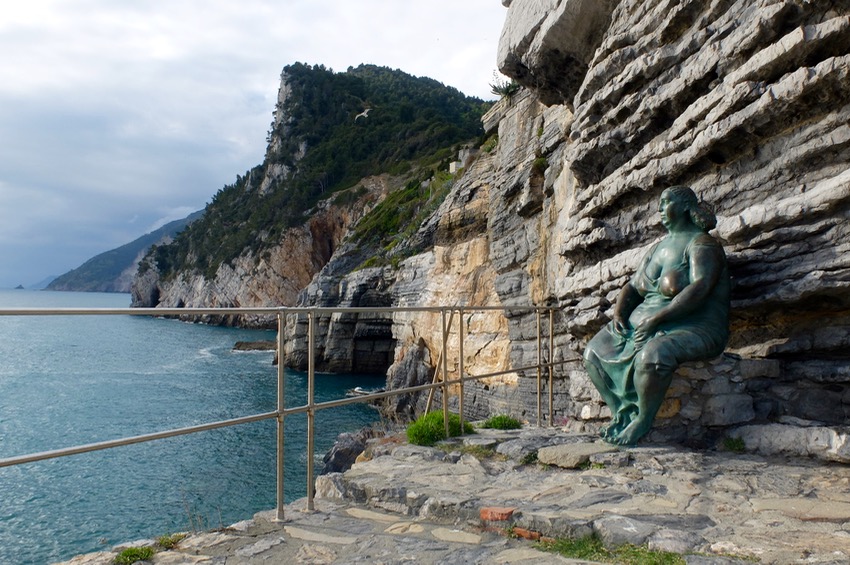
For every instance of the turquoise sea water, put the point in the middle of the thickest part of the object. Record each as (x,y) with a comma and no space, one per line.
(69,380)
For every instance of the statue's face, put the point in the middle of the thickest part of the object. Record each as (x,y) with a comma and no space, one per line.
(672,210)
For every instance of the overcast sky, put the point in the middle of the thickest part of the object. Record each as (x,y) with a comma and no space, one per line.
(118,116)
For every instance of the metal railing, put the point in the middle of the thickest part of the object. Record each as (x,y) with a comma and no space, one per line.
(311,407)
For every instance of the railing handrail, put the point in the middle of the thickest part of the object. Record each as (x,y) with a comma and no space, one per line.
(311,407)
(160,312)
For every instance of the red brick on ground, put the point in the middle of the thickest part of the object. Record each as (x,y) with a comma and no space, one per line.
(496,513)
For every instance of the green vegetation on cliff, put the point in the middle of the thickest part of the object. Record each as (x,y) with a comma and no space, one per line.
(324,140)
(400,214)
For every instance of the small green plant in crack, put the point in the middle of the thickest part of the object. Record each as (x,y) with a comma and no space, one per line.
(529,458)
(504,88)
(133,554)
(538,166)
(479,451)
(734,444)
(587,465)
(490,144)
(170,541)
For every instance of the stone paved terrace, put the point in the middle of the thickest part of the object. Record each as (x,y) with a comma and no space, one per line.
(410,504)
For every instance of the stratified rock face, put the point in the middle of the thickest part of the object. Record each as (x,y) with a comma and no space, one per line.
(547,45)
(273,279)
(455,270)
(746,102)
(343,342)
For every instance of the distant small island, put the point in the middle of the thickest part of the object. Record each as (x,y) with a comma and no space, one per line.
(19,287)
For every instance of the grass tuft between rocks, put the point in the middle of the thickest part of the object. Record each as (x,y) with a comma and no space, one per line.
(429,429)
(591,548)
(502,422)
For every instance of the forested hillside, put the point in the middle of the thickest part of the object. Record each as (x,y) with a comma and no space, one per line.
(330,130)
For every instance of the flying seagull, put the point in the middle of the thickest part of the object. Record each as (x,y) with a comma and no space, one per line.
(363,114)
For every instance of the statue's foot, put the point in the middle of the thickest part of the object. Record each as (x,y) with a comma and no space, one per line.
(619,421)
(612,430)
(631,433)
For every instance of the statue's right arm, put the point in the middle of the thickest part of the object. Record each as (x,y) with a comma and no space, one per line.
(629,297)
(627,301)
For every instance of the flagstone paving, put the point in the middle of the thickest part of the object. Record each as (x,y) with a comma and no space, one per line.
(456,504)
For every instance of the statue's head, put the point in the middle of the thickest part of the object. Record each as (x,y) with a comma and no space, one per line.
(697,211)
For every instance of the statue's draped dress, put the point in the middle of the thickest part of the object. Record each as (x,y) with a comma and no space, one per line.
(701,334)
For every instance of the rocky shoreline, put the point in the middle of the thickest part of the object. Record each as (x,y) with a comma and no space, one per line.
(481,498)
(262,345)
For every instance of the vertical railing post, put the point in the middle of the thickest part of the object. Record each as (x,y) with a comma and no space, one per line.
(551,358)
(281,403)
(445,372)
(461,368)
(539,374)
(311,411)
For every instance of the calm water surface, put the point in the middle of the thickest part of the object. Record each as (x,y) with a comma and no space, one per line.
(68,380)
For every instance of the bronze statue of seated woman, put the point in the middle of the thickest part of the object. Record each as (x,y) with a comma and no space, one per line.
(674,309)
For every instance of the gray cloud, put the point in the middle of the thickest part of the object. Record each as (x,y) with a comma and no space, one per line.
(116,117)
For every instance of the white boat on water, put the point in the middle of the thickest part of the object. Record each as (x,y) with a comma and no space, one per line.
(360,391)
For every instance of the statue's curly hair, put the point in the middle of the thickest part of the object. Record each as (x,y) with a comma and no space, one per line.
(701,215)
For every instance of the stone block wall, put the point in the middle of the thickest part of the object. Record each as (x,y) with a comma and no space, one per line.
(707,402)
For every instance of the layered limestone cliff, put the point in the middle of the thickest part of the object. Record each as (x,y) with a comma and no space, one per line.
(748,103)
